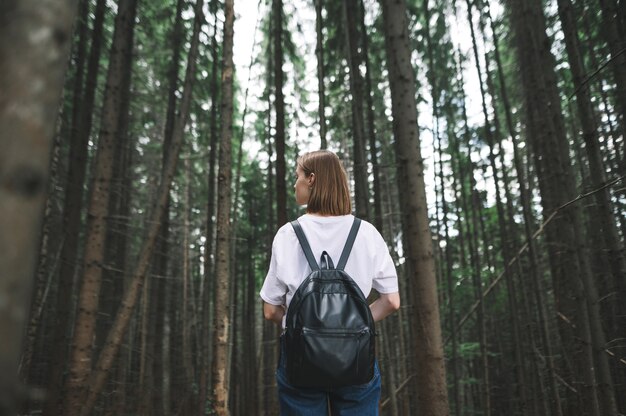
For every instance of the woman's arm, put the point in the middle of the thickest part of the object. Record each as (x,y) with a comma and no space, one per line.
(385,305)
(274,313)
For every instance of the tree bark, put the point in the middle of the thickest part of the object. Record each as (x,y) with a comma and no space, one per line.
(47,264)
(116,235)
(221,372)
(34,48)
(431,382)
(119,256)
(84,324)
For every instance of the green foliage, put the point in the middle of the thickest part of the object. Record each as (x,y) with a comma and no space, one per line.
(469,350)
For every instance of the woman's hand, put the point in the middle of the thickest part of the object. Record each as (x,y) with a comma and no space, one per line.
(274,313)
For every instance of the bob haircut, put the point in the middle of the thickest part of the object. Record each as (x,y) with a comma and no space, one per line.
(330,194)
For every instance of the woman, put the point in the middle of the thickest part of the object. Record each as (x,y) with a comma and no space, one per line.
(322,185)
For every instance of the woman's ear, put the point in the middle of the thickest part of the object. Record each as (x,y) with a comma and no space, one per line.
(311,179)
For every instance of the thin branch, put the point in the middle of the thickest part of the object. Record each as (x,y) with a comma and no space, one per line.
(609,352)
(596,72)
(400,387)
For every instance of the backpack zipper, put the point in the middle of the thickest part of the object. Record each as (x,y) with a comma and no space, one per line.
(335,332)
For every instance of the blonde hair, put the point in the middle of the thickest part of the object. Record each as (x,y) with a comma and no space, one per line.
(330,194)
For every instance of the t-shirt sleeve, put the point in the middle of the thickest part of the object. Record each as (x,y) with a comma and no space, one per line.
(385,276)
(273,290)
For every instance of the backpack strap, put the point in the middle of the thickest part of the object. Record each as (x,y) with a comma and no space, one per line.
(349,243)
(304,243)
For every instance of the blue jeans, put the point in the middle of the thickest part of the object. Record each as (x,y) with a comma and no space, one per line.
(357,400)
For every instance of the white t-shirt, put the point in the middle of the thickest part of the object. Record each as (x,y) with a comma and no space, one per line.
(369,264)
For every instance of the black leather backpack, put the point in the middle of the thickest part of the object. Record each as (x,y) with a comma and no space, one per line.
(329,335)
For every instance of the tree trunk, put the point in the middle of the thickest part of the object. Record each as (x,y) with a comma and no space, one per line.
(151,311)
(319,52)
(473,226)
(115,243)
(209,252)
(525,197)
(34,48)
(47,264)
(119,256)
(549,145)
(84,324)
(371,129)
(73,204)
(605,219)
(188,376)
(431,382)
(450,283)
(502,226)
(446,258)
(114,338)
(168,394)
(158,396)
(221,374)
(249,398)
(268,395)
(361,197)
(617,42)
(279,105)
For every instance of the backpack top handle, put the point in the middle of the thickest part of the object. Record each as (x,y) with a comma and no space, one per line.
(326,263)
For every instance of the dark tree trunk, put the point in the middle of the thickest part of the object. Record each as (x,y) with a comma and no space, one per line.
(33,355)
(502,226)
(371,129)
(319,52)
(208,293)
(431,381)
(575,293)
(72,214)
(114,338)
(119,263)
(98,213)
(115,244)
(473,227)
(361,197)
(279,105)
(614,35)
(525,197)
(604,222)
